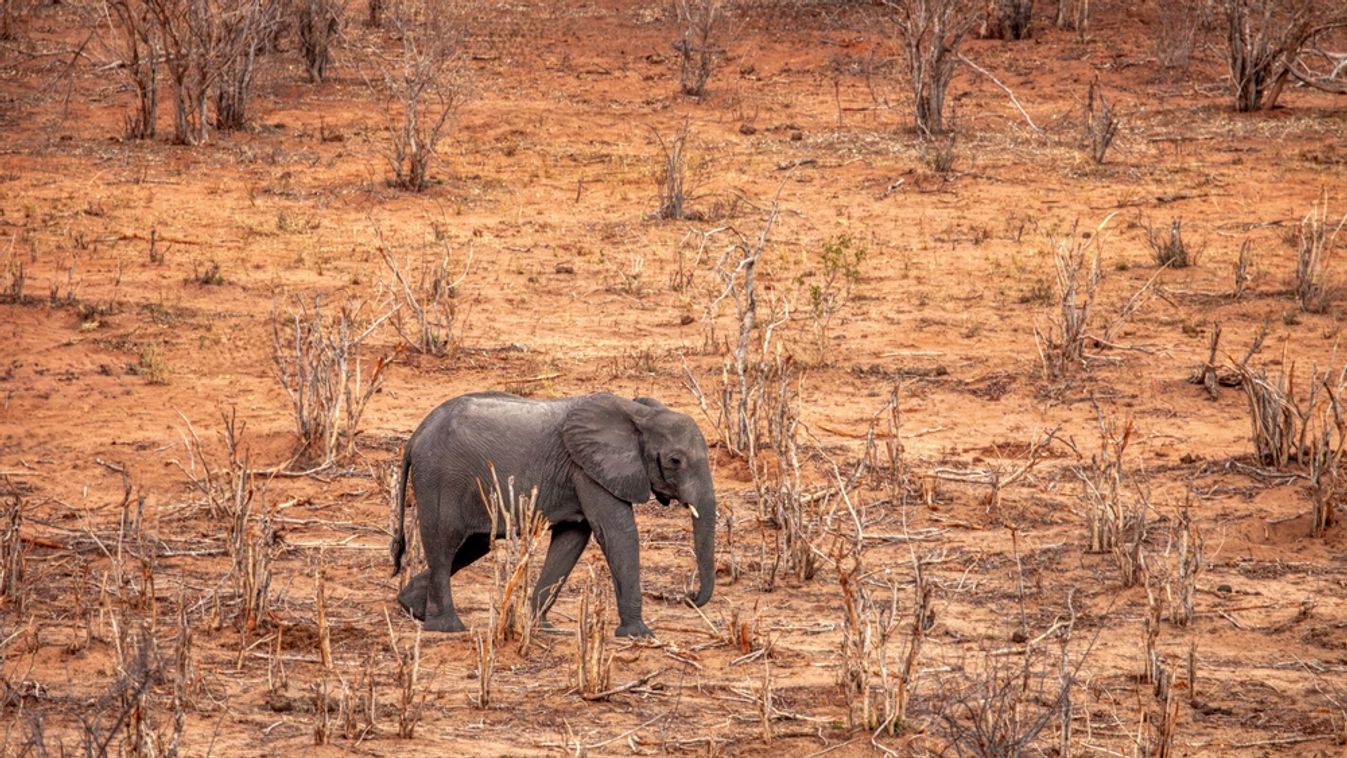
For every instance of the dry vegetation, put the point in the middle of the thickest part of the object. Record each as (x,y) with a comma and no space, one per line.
(975,497)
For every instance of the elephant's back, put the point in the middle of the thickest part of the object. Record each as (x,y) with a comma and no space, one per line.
(460,441)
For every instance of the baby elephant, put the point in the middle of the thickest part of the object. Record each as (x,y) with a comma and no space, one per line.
(590,457)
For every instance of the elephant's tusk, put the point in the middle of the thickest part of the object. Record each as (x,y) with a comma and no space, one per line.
(693,508)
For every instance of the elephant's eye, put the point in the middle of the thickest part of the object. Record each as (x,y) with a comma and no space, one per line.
(675,461)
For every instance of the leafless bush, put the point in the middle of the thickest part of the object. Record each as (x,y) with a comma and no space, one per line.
(747,371)
(1062,343)
(515,514)
(319,366)
(429,293)
(319,24)
(11,558)
(883,462)
(252,546)
(1101,124)
(424,85)
(485,645)
(1074,15)
(137,43)
(1311,431)
(672,174)
(782,500)
(408,674)
(1115,522)
(879,675)
(929,32)
(703,28)
(227,488)
(593,664)
(1181,23)
(246,26)
(1007,19)
(1000,708)
(1182,590)
(18,277)
(193,51)
(124,709)
(1328,442)
(11,13)
(1244,270)
(1169,248)
(1318,239)
(1264,38)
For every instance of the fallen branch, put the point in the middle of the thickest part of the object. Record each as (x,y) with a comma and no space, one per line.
(633,684)
(1014,100)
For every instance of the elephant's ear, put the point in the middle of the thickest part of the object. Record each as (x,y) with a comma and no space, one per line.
(601,436)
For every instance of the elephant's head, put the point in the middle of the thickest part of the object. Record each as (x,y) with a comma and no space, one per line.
(636,448)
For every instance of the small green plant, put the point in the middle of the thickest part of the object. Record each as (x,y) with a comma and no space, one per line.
(151,365)
(1040,293)
(840,262)
(209,274)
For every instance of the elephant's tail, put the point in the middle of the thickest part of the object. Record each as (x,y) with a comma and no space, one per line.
(399,544)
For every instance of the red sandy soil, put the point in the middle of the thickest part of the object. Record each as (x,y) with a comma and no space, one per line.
(554,162)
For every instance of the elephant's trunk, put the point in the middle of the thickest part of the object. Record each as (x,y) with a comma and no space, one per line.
(704,546)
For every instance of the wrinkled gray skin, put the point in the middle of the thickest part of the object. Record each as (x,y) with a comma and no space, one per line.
(591,458)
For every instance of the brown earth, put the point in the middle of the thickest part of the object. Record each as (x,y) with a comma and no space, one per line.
(107,356)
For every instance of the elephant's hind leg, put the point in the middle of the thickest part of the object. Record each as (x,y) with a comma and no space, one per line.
(413,596)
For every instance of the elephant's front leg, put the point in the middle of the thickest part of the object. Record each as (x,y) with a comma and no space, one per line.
(614,525)
(568,542)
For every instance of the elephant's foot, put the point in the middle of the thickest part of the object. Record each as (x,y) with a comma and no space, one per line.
(445,623)
(547,627)
(413,597)
(635,628)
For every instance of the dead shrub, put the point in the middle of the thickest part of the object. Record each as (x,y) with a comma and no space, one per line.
(226,487)
(429,293)
(1189,562)
(999,707)
(1115,522)
(206,46)
(12,588)
(1310,431)
(1168,248)
(1264,40)
(593,662)
(136,41)
(1007,19)
(411,692)
(747,370)
(319,24)
(515,515)
(318,363)
(671,176)
(423,84)
(879,674)
(1179,27)
(703,28)
(1062,343)
(1101,124)
(246,27)
(1317,242)
(783,503)
(1074,15)
(929,34)
(1072,329)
